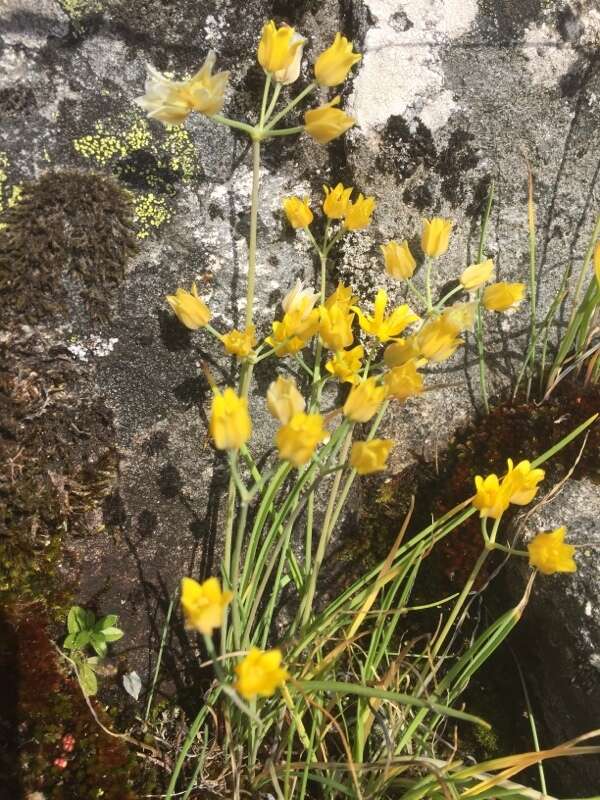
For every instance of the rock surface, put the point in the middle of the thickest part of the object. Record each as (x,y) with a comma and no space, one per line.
(449,94)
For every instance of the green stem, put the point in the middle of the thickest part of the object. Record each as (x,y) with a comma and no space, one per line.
(292,104)
(163,640)
(274,99)
(286,131)
(265,97)
(253,226)
(428,263)
(479,333)
(412,288)
(233,123)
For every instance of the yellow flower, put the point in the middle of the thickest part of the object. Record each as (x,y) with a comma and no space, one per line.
(189,308)
(230,424)
(342,297)
(437,340)
(597,262)
(299,324)
(277,47)
(334,64)
(299,299)
(284,400)
(364,400)
(335,327)
(239,343)
(336,201)
(549,553)
(492,497)
(399,261)
(260,672)
(460,316)
(291,73)
(298,439)
(358,214)
(298,212)
(404,381)
(523,482)
(503,296)
(382,327)
(204,604)
(369,457)
(435,236)
(171,101)
(346,364)
(477,274)
(326,123)
(400,352)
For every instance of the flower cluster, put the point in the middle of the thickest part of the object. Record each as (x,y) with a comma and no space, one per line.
(519,486)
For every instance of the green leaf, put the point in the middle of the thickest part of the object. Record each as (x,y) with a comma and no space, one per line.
(76,619)
(81,639)
(69,642)
(99,645)
(90,619)
(112,634)
(88,680)
(109,621)
(93,662)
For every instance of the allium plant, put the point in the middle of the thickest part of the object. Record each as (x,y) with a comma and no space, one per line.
(338,703)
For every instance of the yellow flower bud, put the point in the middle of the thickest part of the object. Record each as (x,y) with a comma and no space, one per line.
(334,64)
(342,297)
(204,604)
(284,400)
(336,201)
(477,274)
(358,214)
(277,47)
(346,364)
(239,343)
(298,439)
(404,381)
(382,327)
(437,340)
(171,101)
(189,308)
(549,553)
(364,400)
(522,482)
(260,673)
(291,73)
(230,424)
(503,296)
(492,497)
(436,236)
(326,123)
(399,261)
(298,212)
(335,327)
(369,457)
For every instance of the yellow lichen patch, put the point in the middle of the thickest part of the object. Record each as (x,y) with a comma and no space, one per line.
(9,195)
(100,147)
(150,213)
(79,8)
(182,153)
(138,136)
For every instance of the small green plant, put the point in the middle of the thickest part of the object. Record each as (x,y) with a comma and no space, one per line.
(85,631)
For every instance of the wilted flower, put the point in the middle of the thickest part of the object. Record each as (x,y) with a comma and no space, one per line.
(334,64)
(404,381)
(277,47)
(385,328)
(298,212)
(291,73)
(336,201)
(298,439)
(171,101)
(369,457)
(189,308)
(503,296)
(492,497)
(358,214)
(204,604)
(549,553)
(523,482)
(399,261)
(326,123)
(299,299)
(230,425)
(239,343)
(460,316)
(335,326)
(284,400)
(477,274)
(299,324)
(342,296)
(346,364)
(364,400)
(435,236)
(260,672)
(437,340)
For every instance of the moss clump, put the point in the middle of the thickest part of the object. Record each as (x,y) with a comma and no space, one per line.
(65,225)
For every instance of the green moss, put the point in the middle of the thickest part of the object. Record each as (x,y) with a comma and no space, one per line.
(66,224)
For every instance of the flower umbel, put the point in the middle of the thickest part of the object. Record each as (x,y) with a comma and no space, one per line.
(503,296)
(382,327)
(284,400)
(239,343)
(172,101)
(298,212)
(277,47)
(364,400)
(204,604)
(260,673)
(399,261)
(230,424)
(326,123)
(334,64)
(436,236)
(549,553)
(299,438)
(189,308)
(369,457)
